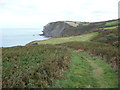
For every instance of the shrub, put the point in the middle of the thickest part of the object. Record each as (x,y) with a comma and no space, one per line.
(106,51)
(116,44)
(111,23)
(109,37)
(33,66)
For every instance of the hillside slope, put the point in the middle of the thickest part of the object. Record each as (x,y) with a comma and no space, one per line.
(111,37)
(82,61)
(84,37)
(86,71)
(87,43)
(53,66)
(72,28)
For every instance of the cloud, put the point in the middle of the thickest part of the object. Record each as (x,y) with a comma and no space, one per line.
(36,13)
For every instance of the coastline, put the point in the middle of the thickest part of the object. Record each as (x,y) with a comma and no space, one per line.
(32,42)
(22,41)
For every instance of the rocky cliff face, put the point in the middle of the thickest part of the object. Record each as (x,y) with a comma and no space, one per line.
(69,28)
(59,29)
(54,29)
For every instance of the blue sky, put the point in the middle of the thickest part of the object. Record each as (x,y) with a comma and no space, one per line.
(37,13)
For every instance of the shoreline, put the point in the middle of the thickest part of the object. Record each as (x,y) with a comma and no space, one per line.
(25,44)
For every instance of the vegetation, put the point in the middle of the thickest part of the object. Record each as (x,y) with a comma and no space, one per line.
(85,61)
(0,68)
(53,66)
(84,37)
(87,72)
(109,37)
(105,51)
(111,23)
(34,66)
(110,28)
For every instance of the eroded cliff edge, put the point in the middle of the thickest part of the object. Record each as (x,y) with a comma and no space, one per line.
(71,28)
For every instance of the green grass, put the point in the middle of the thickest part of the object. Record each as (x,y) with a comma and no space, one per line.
(103,50)
(110,28)
(61,65)
(111,23)
(43,66)
(109,36)
(34,66)
(109,76)
(84,37)
(81,74)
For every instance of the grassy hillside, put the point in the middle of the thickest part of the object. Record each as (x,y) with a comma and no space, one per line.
(86,61)
(33,67)
(109,53)
(73,28)
(91,42)
(111,23)
(109,37)
(54,66)
(87,72)
(106,31)
(84,37)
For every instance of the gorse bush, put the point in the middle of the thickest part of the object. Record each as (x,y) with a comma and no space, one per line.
(116,44)
(109,37)
(33,66)
(106,51)
(111,23)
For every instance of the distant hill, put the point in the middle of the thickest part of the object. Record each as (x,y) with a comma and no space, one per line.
(73,28)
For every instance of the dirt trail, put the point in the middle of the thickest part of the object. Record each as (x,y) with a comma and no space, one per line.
(97,73)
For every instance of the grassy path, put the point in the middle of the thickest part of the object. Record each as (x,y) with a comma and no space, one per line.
(84,37)
(106,77)
(86,71)
(97,73)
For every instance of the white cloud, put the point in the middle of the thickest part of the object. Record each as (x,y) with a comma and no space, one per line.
(36,13)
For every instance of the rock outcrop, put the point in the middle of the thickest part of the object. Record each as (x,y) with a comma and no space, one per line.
(70,28)
(59,29)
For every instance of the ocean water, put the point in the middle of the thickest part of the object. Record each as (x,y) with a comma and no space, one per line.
(20,36)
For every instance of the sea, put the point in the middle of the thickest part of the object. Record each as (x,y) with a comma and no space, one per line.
(19,36)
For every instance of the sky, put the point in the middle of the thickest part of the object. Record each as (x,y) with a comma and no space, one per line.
(38,13)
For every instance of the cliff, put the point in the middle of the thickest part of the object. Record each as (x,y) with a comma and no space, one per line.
(59,29)
(71,28)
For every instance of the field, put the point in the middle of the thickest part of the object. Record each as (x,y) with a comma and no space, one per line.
(110,28)
(85,37)
(87,72)
(55,66)
(111,23)
(65,64)
(89,60)
(109,36)
(33,67)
